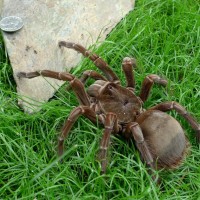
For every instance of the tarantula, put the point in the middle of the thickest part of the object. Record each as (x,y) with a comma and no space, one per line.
(159,138)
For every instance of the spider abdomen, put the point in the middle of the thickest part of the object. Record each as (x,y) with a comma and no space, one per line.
(165,138)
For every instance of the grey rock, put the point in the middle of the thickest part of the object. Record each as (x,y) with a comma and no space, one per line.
(35,46)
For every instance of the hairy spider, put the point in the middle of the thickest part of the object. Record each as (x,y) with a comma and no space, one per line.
(159,138)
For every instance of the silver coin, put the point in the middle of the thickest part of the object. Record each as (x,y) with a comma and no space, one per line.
(11,24)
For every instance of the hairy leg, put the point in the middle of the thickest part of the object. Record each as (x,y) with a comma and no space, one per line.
(148,83)
(127,65)
(91,74)
(74,115)
(111,126)
(172,105)
(75,83)
(99,62)
(142,146)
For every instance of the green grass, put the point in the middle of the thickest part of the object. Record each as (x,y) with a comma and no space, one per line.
(164,36)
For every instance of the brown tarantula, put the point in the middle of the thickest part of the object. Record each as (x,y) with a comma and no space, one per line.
(159,138)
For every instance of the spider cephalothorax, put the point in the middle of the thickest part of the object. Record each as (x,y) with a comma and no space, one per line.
(111,97)
(159,138)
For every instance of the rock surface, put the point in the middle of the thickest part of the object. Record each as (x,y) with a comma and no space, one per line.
(35,46)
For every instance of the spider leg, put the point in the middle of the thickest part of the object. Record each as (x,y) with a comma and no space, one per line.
(99,62)
(172,105)
(142,146)
(148,83)
(75,83)
(110,125)
(127,65)
(77,112)
(91,74)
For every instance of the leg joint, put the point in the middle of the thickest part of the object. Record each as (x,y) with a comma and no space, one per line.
(110,128)
(87,72)
(181,110)
(97,59)
(136,133)
(60,139)
(149,78)
(133,124)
